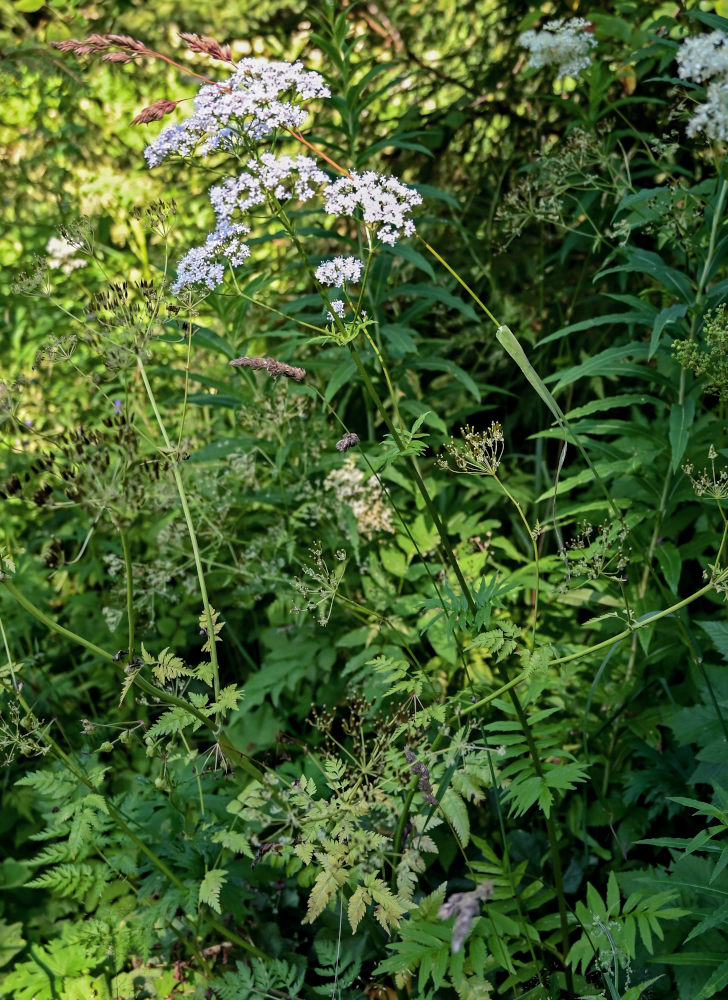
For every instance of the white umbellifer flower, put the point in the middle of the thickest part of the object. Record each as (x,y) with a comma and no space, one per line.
(339,270)
(384,201)
(336,308)
(366,499)
(712,117)
(61,255)
(704,56)
(284,176)
(258,98)
(205,265)
(566,44)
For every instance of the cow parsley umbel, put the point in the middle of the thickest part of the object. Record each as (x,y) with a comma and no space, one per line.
(564,44)
(338,271)
(205,265)
(703,58)
(384,202)
(259,97)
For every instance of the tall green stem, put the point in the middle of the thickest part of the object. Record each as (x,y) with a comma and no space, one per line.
(129,590)
(174,458)
(525,726)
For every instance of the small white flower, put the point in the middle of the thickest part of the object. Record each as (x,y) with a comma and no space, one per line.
(383,201)
(257,99)
(61,255)
(703,56)
(336,308)
(565,44)
(284,176)
(712,117)
(205,265)
(339,270)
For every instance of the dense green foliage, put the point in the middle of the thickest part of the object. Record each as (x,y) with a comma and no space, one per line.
(391,662)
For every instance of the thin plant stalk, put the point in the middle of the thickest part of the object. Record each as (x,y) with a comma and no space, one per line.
(191,530)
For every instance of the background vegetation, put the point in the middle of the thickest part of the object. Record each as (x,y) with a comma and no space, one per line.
(456,735)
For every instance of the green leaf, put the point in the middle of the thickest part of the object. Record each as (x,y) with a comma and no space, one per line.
(409,253)
(341,376)
(358,906)
(445,365)
(434,293)
(663,319)
(612,895)
(680,422)
(210,888)
(718,632)
(456,813)
(605,363)
(647,262)
(11,941)
(670,562)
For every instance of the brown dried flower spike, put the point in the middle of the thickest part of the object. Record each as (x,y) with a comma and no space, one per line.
(206,45)
(95,44)
(155,111)
(273,367)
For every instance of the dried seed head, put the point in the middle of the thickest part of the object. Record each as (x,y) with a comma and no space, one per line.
(348,441)
(206,46)
(95,44)
(155,112)
(273,367)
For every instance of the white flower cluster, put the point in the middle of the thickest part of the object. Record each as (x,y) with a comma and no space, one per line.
(337,307)
(338,271)
(258,98)
(566,44)
(703,58)
(384,201)
(367,500)
(61,255)
(205,265)
(269,173)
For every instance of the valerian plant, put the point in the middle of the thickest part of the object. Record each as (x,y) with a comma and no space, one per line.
(418,782)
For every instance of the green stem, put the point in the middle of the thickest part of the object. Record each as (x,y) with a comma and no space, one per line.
(459,280)
(535,555)
(525,727)
(439,527)
(191,530)
(129,590)
(141,682)
(644,623)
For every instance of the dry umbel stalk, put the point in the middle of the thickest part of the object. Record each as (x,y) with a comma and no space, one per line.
(273,367)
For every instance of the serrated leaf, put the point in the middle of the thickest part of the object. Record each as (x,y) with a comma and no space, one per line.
(456,813)
(210,888)
(357,907)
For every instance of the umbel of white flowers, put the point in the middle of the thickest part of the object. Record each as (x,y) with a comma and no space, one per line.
(703,58)
(566,45)
(260,98)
